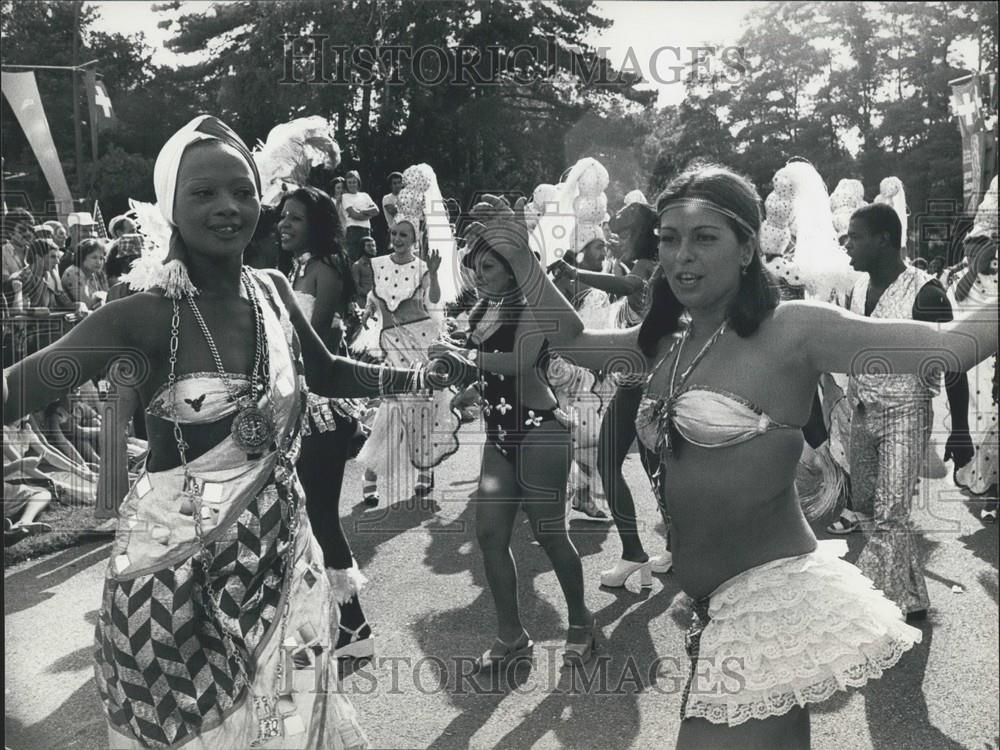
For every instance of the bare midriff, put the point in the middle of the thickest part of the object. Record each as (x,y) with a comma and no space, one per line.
(732,509)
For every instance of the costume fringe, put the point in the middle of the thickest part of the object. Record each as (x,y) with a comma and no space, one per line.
(346,583)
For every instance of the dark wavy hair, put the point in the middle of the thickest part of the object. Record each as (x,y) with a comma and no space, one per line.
(757,295)
(640,220)
(85,248)
(326,231)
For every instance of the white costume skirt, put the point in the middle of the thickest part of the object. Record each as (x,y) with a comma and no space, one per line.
(788,633)
(410,432)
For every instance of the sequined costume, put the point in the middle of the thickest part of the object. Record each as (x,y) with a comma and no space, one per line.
(891,418)
(182,630)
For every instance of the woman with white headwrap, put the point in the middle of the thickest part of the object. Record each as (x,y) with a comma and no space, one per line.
(412,435)
(217,621)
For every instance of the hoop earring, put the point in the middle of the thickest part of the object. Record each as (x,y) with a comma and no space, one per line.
(744,269)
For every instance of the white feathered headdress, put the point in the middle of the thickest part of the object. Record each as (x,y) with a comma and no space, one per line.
(574,218)
(421,204)
(847,197)
(799,208)
(290,151)
(890,192)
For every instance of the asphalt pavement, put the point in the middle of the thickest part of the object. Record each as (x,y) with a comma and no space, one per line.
(428,602)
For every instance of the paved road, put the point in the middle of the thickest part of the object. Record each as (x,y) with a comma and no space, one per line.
(428,602)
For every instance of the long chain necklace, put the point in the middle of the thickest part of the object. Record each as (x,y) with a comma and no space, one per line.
(275,713)
(253,429)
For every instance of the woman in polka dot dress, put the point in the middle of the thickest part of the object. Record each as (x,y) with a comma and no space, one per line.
(411,434)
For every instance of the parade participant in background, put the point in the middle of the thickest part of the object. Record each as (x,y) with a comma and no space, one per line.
(224,350)
(412,435)
(525,462)
(634,225)
(362,273)
(582,393)
(390,199)
(359,208)
(84,280)
(728,396)
(892,414)
(976,285)
(310,230)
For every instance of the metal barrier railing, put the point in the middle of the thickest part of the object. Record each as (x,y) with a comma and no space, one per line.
(26,332)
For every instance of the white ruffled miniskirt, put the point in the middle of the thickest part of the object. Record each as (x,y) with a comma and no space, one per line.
(788,633)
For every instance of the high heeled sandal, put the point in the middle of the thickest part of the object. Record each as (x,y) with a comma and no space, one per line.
(355,647)
(424,485)
(623,570)
(578,653)
(503,653)
(370,495)
(661,564)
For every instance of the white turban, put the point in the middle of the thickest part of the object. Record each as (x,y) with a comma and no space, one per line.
(168,162)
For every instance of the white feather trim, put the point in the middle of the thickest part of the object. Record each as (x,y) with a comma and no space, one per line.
(346,583)
(290,151)
(149,271)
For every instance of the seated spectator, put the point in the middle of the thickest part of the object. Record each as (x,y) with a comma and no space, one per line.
(84,280)
(18,231)
(32,464)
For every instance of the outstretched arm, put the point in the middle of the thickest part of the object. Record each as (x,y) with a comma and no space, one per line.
(607,282)
(834,340)
(82,354)
(330,375)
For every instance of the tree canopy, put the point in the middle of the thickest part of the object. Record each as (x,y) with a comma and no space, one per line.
(501,95)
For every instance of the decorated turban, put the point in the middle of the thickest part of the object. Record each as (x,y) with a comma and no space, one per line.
(168,162)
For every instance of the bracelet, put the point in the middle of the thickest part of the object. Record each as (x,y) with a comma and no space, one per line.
(381,379)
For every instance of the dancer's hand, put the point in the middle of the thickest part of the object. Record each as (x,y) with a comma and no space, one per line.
(450,370)
(443,349)
(959,448)
(433,261)
(561,268)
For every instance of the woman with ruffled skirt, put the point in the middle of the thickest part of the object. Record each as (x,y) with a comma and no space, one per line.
(779,622)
